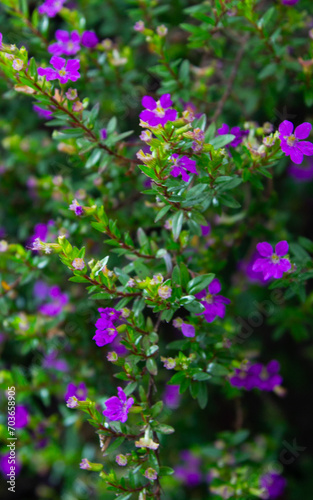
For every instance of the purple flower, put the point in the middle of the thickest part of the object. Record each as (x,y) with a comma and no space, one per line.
(139,26)
(78,264)
(41,231)
(63,70)
(257,376)
(90,39)
(157,113)
(188,330)
(272,264)
(106,331)
(79,391)
(189,473)
(1,37)
(46,114)
(76,207)
(292,144)
(67,43)
(117,407)
(247,268)
(10,464)
(214,304)
(85,464)
(151,474)
(164,292)
(205,230)
(51,7)
(274,484)
(21,417)
(236,131)
(181,165)
(52,360)
(57,302)
(121,460)
(289,2)
(103,134)
(171,396)
(303,173)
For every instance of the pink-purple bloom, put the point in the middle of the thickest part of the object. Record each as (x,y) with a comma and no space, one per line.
(181,164)
(62,70)
(76,207)
(189,473)
(303,173)
(272,264)
(46,114)
(21,417)
(67,43)
(188,330)
(51,7)
(171,396)
(106,331)
(289,2)
(292,143)
(214,304)
(117,407)
(257,376)
(89,39)
(79,391)
(236,131)
(158,112)
(56,299)
(9,464)
(274,484)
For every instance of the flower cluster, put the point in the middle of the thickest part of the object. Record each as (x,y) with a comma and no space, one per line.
(213,302)
(106,331)
(117,407)
(51,7)
(62,70)
(157,112)
(257,376)
(272,264)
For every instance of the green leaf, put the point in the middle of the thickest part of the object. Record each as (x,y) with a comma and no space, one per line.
(199,283)
(221,141)
(162,212)
(177,223)
(203,395)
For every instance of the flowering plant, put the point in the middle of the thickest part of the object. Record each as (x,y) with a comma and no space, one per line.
(155,247)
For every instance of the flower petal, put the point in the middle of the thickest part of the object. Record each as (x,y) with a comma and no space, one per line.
(296,155)
(285,128)
(166,101)
(148,102)
(265,249)
(281,248)
(303,131)
(57,62)
(73,65)
(62,36)
(215,286)
(305,147)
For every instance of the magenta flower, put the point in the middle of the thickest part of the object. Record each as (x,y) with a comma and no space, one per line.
(51,7)
(274,484)
(158,112)
(63,70)
(76,207)
(272,265)
(236,131)
(117,407)
(21,416)
(181,165)
(214,304)
(67,43)
(189,473)
(55,306)
(188,330)
(1,37)
(106,331)
(257,376)
(46,114)
(79,391)
(292,144)
(303,173)
(90,39)
(171,396)
(289,2)
(6,464)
